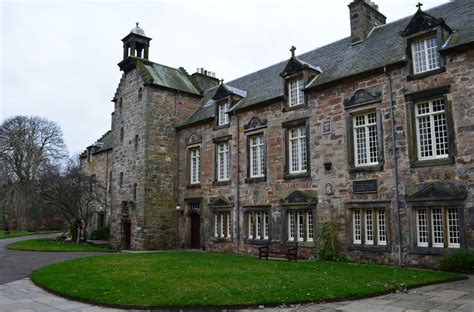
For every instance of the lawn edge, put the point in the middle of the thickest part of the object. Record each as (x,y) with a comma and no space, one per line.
(32,234)
(33,250)
(229,307)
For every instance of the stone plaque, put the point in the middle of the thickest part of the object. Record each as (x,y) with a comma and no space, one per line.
(326,127)
(365,186)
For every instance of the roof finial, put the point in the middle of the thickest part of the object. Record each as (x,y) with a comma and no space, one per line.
(419,5)
(222,80)
(136,23)
(292,51)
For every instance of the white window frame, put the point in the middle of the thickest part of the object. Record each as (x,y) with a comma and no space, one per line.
(295,92)
(438,220)
(369,226)
(297,150)
(365,139)
(223,161)
(300,225)
(258,224)
(425,55)
(195,165)
(257,156)
(433,118)
(222,224)
(223,113)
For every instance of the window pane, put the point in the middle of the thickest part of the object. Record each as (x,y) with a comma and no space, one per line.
(266,225)
(356,226)
(369,227)
(453,228)
(300,222)
(309,229)
(291,225)
(425,55)
(382,234)
(422,227)
(256,156)
(437,227)
(366,139)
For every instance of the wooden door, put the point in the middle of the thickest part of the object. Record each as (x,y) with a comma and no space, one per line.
(195,231)
(126,234)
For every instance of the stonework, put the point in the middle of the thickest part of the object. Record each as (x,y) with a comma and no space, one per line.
(156,123)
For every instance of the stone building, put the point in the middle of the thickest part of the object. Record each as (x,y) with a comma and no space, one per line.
(372,132)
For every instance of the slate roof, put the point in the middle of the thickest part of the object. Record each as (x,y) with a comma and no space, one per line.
(170,77)
(337,60)
(104,143)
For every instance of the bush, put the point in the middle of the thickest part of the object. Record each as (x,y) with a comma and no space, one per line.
(100,234)
(329,245)
(461,261)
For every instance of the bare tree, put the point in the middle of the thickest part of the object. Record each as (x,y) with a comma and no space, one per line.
(74,195)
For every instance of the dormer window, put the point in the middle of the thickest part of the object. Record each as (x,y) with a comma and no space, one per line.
(425,55)
(223,114)
(295,92)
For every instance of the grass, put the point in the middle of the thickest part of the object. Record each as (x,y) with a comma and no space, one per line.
(52,244)
(198,279)
(15,233)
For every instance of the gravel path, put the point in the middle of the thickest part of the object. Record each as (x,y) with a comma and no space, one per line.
(15,264)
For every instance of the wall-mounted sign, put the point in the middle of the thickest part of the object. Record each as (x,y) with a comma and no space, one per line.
(326,127)
(365,186)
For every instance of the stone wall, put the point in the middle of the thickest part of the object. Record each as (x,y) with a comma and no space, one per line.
(334,187)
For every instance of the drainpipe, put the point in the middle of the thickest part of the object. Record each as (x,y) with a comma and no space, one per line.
(238,183)
(177,189)
(395,166)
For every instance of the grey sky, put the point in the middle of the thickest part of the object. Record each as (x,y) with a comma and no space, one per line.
(58,59)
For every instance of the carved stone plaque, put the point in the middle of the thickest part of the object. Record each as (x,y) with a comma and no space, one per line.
(365,186)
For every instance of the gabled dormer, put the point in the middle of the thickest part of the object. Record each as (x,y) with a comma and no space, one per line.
(296,75)
(225,98)
(425,34)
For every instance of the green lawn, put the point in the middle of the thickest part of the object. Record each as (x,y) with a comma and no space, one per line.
(185,279)
(51,244)
(16,233)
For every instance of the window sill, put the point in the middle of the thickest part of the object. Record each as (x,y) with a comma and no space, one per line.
(291,176)
(219,183)
(221,240)
(291,108)
(362,247)
(426,74)
(193,186)
(371,168)
(256,241)
(256,180)
(227,125)
(434,251)
(432,162)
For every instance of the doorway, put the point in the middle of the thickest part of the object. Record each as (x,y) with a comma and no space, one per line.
(126,234)
(195,231)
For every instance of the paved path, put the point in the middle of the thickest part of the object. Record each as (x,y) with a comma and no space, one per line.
(18,293)
(15,264)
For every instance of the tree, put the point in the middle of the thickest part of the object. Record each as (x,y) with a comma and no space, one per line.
(74,195)
(28,145)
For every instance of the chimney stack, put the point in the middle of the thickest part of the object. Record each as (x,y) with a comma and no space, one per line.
(364,16)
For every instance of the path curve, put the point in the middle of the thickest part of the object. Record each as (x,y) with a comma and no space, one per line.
(16,264)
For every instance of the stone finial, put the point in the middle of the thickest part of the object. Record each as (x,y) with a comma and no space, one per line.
(419,5)
(292,50)
(222,81)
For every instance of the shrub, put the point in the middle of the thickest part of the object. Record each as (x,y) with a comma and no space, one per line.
(329,244)
(458,261)
(101,234)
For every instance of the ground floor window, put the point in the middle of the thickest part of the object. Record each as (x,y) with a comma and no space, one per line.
(369,226)
(222,224)
(258,224)
(437,227)
(300,225)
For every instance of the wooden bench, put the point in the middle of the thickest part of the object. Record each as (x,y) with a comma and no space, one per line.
(289,249)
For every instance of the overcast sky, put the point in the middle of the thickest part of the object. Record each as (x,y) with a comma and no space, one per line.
(58,58)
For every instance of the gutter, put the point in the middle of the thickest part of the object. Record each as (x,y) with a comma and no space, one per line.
(395,167)
(238,184)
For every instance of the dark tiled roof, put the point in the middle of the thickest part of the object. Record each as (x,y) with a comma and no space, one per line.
(170,77)
(105,142)
(337,60)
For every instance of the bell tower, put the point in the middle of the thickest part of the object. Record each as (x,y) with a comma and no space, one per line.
(136,43)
